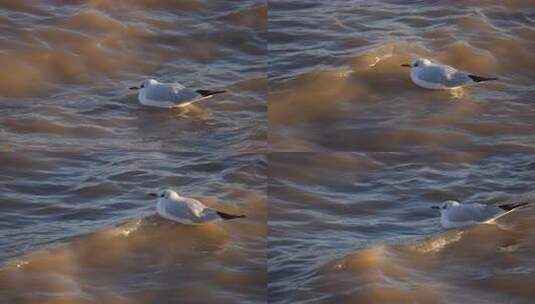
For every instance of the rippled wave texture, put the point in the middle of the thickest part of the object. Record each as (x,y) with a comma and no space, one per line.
(358,228)
(80,228)
(321,140)
(67,66)
(337,84)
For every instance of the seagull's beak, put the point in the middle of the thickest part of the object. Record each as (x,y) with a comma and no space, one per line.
(435,207)
(406,65)
(153,194)
(133,88)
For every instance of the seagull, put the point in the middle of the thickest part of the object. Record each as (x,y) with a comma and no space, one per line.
(430,75)
(169,95)
(454,215)
(185,210)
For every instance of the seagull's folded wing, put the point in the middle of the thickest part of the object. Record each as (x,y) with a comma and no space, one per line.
(444,75)
(182,210)
(458,79)
(183,94)
(173,93)
(433,74)
(194,206)
(194,212)
(471,212)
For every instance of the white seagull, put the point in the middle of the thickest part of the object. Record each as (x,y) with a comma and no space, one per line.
(454,215)
(169,95)
(431,75)
(185,210)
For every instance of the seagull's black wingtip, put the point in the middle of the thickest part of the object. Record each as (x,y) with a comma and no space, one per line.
(481,78)
(227,216)
(205,93)
(508,207)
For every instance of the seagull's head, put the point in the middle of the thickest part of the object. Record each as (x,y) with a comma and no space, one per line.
(165,194)
(446,205)
(420,62)
(146,83)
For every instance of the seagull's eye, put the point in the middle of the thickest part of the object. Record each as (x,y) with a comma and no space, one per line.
(416,64)
(162,195)
(141,86)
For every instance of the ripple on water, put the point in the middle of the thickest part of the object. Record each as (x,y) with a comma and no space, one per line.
(79,57)
(375,106)
(357,228)
(377,93)
(88,234)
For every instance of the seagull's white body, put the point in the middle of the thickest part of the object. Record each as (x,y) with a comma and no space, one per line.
(153,93)
(429,75)
(456,215)
(189,211)
(185,210)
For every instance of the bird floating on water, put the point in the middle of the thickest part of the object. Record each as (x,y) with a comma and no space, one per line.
(429,75)
(185,210)
(455,215)
(169,95)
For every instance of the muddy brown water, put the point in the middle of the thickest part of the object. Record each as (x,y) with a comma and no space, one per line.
(336,83)
(67,67)
(80,228)
(79,153)
(358,228)
(322,140)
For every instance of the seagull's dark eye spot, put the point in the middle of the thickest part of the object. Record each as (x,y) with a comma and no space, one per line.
(142,86)
(416,64)
(162,195)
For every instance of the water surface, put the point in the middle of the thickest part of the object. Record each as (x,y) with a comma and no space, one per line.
(67,67)
(336,83)
(358,228)
(79,227)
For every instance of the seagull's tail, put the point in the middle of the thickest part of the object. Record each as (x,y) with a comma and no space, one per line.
(508,207)
(205,93)
(480,78)
(227,216)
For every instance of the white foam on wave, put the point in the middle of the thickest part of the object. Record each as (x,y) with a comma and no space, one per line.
(125,229)
(436,244)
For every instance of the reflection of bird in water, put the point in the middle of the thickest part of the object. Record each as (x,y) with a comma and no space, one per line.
(456,93)
(194,112)
(169,95)
(430,75)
